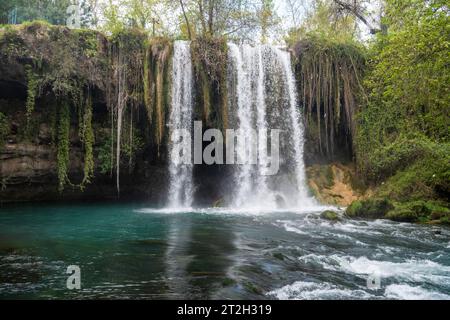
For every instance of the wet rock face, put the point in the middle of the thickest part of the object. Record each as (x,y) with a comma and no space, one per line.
(27,173)
(28,168)
(26,162)
(333,184)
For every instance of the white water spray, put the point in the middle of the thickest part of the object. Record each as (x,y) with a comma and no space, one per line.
(180,185)
(254,70)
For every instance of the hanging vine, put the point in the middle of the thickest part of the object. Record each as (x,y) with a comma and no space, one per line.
(127,55)
(72,65)
(32,92)
(88,142)
(63,144)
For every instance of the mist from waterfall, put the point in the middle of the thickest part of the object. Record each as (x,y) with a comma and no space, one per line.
(263,97)
(181,188)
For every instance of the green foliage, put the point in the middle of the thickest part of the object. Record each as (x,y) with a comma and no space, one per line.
(425,177)
(397,155)
(402,133)
(32,92)
(132,146)
(419,211)
(354,209)
(51,11)
(130,150)
(322,23)
(330,215)
(62,63)
(63,144)
(4,128)
(11,43)
(113,22)
(410,80)
(374,208)
(104,156)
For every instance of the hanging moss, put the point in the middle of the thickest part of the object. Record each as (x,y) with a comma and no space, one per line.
(157,79)
(329,76)
(127,54)
(207,92)
(63,144)
(126,70)
(210,64)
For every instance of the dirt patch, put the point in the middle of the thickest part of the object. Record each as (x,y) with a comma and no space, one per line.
(333,184)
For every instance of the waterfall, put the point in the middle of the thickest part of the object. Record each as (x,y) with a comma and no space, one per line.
(180,183)
(296,125)
(263,97)
(249,71)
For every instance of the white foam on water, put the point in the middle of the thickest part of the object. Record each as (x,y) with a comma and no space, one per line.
(288,226)
(302,290)
(253,211)
(366,228)
(407,292)
(408,270)
(178,210)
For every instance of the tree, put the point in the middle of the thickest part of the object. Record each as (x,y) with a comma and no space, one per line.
(358,8)
(362,12)
(186,19)
(321,21)
(113,22)
(267,18)
(404,125)
(54,12)
(6,7)
(142,13)
(295,9)
(210,18)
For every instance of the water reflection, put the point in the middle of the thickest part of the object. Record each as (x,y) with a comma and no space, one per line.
(198,256)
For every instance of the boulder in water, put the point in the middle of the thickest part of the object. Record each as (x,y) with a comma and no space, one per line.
(370,208)
(330,215)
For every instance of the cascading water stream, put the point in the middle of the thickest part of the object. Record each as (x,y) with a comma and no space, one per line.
(181,180)
(297,127)
(249,69)
(255,70)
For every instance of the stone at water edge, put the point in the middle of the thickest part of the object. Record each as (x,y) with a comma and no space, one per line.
(330,215)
